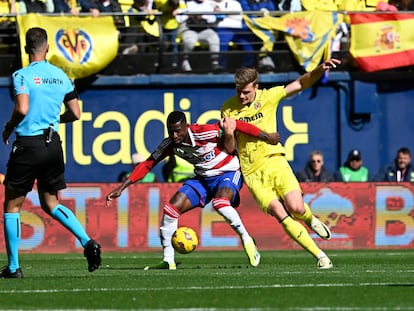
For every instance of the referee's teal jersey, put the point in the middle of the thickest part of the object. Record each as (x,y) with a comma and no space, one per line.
(46,86)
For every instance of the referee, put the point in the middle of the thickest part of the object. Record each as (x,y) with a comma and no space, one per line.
(39,91)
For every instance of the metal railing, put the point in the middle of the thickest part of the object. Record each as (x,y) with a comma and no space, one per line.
(154,54)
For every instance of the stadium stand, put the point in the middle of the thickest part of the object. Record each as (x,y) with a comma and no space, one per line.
(137,64)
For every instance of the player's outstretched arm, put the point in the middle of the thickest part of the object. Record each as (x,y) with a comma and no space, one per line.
(308,79)
(137,174)
(116,193)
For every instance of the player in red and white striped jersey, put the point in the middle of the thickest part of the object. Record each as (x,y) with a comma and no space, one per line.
(218,179)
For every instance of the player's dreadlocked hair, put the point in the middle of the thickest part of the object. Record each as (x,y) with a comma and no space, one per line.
(176,117)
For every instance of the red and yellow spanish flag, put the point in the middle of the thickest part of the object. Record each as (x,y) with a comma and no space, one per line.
(382,41)
(81,46)
(308,34)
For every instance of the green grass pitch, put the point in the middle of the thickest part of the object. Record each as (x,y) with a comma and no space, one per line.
(376,280)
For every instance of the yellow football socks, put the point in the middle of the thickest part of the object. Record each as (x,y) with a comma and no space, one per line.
(307,216)
(299,233)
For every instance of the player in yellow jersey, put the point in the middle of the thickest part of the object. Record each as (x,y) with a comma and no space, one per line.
(266,171)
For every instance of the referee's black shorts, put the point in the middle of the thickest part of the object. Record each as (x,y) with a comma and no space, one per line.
(30,159)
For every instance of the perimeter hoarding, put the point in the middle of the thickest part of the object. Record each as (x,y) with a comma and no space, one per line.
(360,215)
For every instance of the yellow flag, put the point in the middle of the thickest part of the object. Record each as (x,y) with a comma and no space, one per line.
(308,34)
(81,46)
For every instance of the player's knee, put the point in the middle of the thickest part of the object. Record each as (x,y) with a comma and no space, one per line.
(297,210)
(277,211)
(220,203)
(171,210)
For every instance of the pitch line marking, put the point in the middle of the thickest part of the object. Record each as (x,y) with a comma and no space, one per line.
(76,290)
(255,309)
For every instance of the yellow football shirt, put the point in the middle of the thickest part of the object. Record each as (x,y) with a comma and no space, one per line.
(262,113)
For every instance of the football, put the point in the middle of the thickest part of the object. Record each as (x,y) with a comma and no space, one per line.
(184,240)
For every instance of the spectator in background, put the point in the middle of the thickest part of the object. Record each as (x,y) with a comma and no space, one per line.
(95,7)
(198,28)
(228,25)
(169,10)
(315,170)
(319,5)
(7,7)
(289,5)
(355,5)
(74,7)
(143,31)
(400,170)
(177,169)
(135,160)
(36,6)
(341,5)
(67,6)
(386,7)
(88,6)
(353,170)
(265,63)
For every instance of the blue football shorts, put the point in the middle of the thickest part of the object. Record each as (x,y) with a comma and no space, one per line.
(200,190)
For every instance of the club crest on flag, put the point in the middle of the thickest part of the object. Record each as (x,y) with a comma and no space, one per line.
(74,44)
(387,39)
(300,28)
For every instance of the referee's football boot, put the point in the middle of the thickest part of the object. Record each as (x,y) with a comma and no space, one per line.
(320,228)
(92,252)
(162,265)
(7,274)
(252,252)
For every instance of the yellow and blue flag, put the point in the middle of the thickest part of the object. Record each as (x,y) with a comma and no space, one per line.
(308,34)
(80,46)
